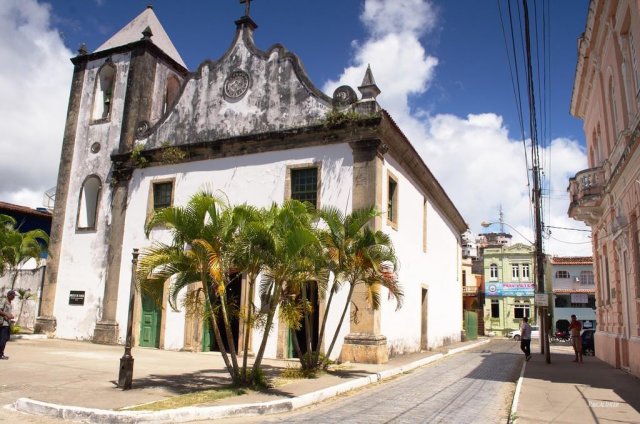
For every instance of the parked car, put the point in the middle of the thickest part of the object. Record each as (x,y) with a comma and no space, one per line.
(588,342)
(535,333)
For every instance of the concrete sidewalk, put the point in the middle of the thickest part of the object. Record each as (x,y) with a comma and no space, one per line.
(77,381)
(567,392)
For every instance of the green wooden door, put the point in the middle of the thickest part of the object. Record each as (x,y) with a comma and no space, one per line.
(207,337)
(150,323)
(471,324)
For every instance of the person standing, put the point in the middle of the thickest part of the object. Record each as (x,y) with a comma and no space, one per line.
(575,328)
(6,314)
(525,338)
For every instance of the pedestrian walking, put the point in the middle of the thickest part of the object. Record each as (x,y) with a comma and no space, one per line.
(575,328)
(6,314)
(525,338)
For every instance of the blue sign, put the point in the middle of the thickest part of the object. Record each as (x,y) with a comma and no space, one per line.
(509,289)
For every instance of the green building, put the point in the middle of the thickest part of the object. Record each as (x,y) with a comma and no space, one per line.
(509,285)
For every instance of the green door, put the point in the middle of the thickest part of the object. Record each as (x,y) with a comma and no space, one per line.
(150,323)
(471,324)
(207,337)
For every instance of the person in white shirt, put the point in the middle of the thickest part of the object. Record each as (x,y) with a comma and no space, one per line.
(525,338)
(6,316)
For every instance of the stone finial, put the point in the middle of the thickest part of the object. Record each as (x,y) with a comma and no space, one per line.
(369,89)
(82,50)
(147,33)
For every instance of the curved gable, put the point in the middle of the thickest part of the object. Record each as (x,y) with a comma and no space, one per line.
(247,91)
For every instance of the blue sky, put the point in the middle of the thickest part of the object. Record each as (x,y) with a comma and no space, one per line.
(441,66)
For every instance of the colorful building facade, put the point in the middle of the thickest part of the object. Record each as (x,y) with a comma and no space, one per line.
(509,287)
(606,195)
(574,290)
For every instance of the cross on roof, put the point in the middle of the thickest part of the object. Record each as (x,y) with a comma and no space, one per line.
(247,7)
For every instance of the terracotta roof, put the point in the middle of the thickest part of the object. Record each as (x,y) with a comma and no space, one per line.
(569,291)
(23,209)
(572,260)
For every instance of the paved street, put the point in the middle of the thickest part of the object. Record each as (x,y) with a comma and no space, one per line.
(470,387)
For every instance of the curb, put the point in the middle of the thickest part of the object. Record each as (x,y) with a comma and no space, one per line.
(516,396)
(193,413)
(28,336)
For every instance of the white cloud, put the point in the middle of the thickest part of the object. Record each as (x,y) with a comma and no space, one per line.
(474,159)
(35,77)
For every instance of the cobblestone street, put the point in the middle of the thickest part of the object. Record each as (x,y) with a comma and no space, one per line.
(470,387)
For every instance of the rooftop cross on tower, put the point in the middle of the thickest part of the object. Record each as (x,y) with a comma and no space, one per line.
(247,7)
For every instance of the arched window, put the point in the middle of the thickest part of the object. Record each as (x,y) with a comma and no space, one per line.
(88,203)
(103,94)
(170,93)
(562,274)
(493,269)
(613,107)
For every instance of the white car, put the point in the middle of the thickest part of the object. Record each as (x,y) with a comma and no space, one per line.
(535,333)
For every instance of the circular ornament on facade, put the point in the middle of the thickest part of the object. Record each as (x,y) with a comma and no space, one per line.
(344,96)
(236,84)
(95,147)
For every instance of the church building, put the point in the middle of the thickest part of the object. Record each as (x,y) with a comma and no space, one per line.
(144,132)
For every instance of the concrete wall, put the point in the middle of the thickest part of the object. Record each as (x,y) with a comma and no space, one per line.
(83,253)
(257,179)
(28,279)
(437,269)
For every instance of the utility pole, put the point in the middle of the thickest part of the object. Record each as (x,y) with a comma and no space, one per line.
(537,204)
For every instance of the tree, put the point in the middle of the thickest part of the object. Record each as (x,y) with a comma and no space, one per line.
(356,255)
(286,264)
(17,248)
(195,257)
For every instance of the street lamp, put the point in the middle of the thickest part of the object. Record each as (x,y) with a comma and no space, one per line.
(125,377)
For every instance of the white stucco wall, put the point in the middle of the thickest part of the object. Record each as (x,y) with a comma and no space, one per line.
(437,270)
(257,179)
(83,258)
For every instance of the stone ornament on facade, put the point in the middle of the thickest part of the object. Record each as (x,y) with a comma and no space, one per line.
(142,129)
(236,85)
(344,96)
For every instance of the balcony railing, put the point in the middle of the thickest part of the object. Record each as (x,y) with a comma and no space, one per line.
(586,191)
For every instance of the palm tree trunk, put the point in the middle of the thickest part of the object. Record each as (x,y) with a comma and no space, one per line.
(344,312)
(216,331)
(296,346)
(307,329)
(324,324)
(227,328)
(247,326)
(14,278)
(275,299)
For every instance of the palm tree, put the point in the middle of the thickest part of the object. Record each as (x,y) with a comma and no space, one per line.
(356,255)
(287,264)
(197,255)
(17,248)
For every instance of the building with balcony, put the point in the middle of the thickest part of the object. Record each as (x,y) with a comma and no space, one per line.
(573,288)
(606,195)
(509,287)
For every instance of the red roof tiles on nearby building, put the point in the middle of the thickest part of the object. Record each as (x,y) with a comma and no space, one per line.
(23,209)
(572,260)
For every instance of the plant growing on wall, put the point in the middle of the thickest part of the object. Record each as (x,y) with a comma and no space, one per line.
(137,158)
(172,155)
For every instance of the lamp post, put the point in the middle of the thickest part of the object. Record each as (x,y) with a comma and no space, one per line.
(539,267)
(126,362)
